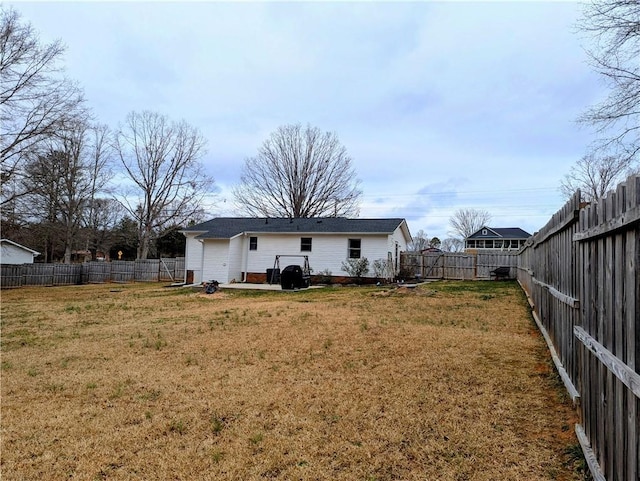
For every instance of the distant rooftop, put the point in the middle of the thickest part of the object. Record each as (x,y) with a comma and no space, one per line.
(500,233)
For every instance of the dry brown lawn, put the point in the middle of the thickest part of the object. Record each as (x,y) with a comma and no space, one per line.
(449,381)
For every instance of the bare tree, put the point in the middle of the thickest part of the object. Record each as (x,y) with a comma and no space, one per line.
(35,99)
(299,172)
(419,242)
(64,182)
(99,224)
(101,213)
(451,244)
(594,176)
(160,157)
(614,30)
(465,222)
(44,180)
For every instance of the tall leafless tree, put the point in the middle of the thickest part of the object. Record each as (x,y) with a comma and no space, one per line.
(99,225)
(452,244)
(44,179)
(613,31)
(160,157)
(419,242)
(35,98)
(299,172)
(594,176)
(465,222)
(101,213)
(64,182)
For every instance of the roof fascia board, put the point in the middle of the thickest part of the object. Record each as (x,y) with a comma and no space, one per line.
(19,246)
(479,232)
(405,228)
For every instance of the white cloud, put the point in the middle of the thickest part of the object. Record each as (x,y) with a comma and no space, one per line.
(429,98)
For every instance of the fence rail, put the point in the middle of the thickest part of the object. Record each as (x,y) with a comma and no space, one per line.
(150,270)
(581,274)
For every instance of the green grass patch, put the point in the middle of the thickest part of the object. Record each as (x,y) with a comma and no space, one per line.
(481,287)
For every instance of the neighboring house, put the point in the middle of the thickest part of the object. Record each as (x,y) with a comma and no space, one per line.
(14,253)
(85,255)
(242,249)
(509,238)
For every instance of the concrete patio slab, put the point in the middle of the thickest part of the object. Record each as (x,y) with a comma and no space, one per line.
(260,287)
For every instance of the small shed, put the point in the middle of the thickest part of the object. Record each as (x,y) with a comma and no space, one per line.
(14,253)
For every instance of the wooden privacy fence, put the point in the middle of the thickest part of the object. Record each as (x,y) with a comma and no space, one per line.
(149,270)
(456,265)
(581,274)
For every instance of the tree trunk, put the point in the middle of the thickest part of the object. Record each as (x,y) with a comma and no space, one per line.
(144,239)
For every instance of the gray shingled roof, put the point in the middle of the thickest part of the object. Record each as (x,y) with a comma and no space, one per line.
(227,227)
(502,233)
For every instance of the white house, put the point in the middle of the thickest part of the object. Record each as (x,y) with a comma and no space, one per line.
(14,253)
(242,249)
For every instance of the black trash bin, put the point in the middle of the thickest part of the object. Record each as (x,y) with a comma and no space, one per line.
(273,276)
(293,277)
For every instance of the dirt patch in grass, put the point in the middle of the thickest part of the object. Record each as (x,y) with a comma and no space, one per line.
(448,381)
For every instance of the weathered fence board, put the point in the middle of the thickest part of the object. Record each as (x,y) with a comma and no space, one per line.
(624,373)
(122,271)
(457,265)
(171,269)
(147,270)
(97,272)
(488,261)
(67,274)
(581,273)
(39,275)
(10,275)
(94,272)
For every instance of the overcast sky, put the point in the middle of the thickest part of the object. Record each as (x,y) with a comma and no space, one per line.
(441,105)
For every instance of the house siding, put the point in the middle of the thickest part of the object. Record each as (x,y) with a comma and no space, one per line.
(328,251)
(236,248)
(268,247)
(193,258)
(332,251)
(397,239)
(215,265)
(375,248)
(12,254)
